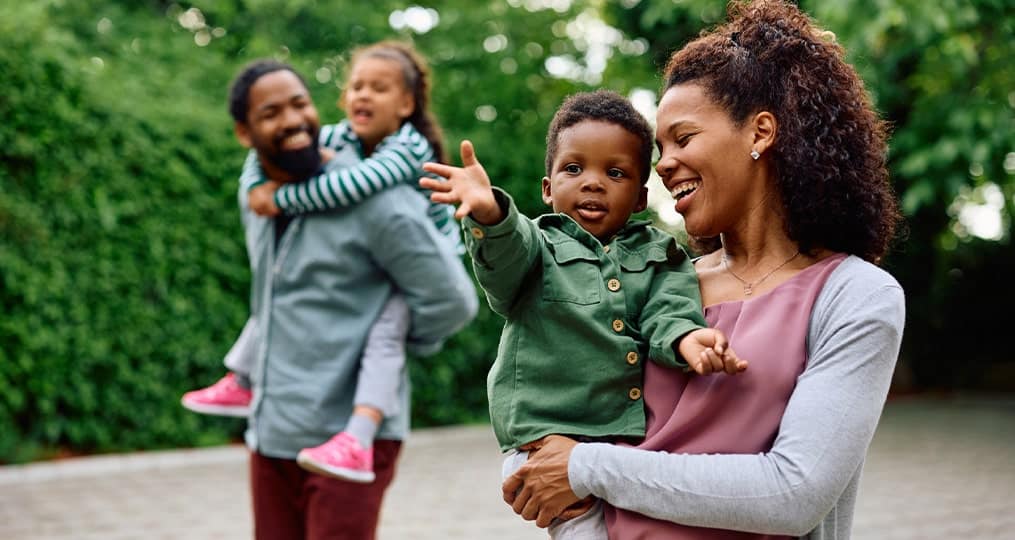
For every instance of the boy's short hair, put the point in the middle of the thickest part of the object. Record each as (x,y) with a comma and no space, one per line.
(239,89)
(602,106)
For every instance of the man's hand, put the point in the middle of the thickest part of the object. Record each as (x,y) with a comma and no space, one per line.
(707,351)
(467,186)
(261,199)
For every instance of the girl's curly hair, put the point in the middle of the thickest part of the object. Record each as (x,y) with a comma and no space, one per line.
(830,148)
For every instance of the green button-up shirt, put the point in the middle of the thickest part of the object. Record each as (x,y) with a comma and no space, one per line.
(581,319)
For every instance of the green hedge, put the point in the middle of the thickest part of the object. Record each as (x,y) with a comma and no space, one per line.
(123,274)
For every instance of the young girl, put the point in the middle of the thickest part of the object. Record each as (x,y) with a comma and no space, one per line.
(386,102)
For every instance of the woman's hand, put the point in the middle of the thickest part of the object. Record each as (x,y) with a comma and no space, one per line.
(540,489)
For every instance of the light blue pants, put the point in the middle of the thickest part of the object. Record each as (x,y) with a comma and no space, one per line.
(588,526)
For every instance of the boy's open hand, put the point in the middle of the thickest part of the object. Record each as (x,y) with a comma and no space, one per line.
(261,199)
(467,186)
(707,351)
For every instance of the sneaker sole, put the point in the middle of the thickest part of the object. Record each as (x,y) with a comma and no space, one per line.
(236,411)
(360,477)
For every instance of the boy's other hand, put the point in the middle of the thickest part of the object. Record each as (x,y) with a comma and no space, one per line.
(467,186)
(707,351)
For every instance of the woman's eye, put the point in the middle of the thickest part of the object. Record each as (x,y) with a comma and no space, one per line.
(572,168)
(684,139)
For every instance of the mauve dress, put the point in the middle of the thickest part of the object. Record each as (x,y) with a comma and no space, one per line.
(723,414)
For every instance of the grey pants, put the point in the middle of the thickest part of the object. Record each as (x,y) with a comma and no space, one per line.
(380,368)
(588,526)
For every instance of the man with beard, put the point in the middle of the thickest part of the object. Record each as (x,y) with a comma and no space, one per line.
(319,282)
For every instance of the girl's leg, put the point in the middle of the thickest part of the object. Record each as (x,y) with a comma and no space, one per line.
(349,454)
(231,395)
(242,355)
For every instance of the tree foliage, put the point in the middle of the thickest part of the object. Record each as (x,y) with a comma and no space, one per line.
(123,276)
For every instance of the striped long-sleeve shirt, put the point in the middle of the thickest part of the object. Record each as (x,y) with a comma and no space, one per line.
(398,159)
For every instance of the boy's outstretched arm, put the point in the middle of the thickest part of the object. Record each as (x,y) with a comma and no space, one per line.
(707,351)
(467,186)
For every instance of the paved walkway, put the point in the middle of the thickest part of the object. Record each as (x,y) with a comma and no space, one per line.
(938,468)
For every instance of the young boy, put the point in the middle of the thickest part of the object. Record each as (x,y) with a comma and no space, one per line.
(588,296)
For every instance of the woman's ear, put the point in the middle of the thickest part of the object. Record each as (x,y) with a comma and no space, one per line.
(765,127)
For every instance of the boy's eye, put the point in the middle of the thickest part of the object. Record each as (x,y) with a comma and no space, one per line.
(616,173)
(572,168)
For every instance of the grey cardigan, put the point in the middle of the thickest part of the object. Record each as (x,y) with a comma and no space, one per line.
(315,296)
(806,485)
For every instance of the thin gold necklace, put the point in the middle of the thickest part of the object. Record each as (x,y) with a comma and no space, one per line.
(749,286)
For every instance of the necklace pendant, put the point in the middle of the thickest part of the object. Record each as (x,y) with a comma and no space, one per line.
(748,289)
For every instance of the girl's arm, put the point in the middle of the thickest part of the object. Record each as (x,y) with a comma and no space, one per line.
(397,160)
(856,331)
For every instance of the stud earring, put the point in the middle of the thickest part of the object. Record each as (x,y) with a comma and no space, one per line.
(755,155)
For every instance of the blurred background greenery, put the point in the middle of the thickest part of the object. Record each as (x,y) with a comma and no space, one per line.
(123,276)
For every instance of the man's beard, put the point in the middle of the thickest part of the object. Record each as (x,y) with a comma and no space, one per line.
(301,164)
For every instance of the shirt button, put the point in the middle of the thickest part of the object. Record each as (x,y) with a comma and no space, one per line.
(635,393)
(613,284)
(618,325)
(632,358)
(477,233)
(606,249)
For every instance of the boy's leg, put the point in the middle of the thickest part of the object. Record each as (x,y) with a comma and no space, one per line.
(588,526)
(348,455)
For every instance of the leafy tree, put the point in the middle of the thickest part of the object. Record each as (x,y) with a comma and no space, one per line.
(941,73)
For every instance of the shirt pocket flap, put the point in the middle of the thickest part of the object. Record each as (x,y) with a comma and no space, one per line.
(638,261)
(566,252)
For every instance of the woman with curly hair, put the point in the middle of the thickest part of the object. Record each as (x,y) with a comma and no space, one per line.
(776,160)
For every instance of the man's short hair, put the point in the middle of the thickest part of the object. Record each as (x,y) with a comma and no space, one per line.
(239,89)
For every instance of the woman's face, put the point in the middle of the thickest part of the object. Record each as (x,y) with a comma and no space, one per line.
(704,160)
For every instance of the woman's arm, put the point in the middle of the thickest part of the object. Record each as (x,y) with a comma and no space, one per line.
(856,330)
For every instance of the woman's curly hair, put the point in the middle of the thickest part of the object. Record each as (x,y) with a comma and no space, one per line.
(830,148)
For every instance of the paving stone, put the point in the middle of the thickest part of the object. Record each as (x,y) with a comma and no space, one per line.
(938,468)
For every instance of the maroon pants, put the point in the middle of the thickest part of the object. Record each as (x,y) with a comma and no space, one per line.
(293,504)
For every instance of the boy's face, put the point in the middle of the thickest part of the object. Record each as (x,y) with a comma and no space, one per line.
(596,178)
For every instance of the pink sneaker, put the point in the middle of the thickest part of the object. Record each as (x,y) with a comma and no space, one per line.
(342,457)
(224,398)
